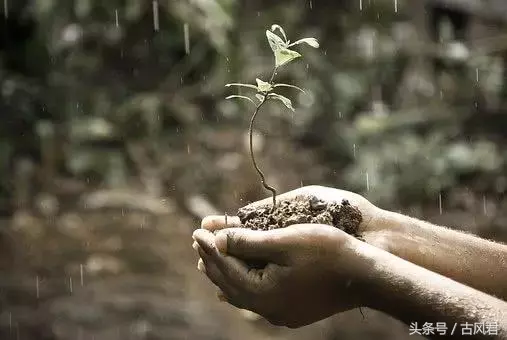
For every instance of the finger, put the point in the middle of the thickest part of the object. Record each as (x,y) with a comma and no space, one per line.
(206,240)
(217,222)
(246,244)
(234,271)
(233,291)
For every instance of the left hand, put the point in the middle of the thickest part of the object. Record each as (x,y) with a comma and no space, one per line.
(312,271)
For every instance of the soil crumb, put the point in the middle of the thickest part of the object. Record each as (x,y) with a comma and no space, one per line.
(302,209)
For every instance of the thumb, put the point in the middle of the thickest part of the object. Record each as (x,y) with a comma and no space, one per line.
(250,244)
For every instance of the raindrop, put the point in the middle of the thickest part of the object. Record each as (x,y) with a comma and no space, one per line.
(10,322)
(396,6)
(367,182)
(311,4)
(186,33)
(360,5)
(188,149)
(37,286)
(117,20)
(156,23)
(339,114)
(441,94)
(477,74)
(81,274)
(225,215)
(354,150)
(301,183)
(484,204)
(70,285)
(440,203)
(6,9)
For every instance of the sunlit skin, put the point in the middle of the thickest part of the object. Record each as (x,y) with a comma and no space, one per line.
(410,269)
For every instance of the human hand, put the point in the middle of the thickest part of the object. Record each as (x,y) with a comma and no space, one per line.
(312,271)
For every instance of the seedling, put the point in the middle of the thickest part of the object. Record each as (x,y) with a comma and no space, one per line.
(283,53)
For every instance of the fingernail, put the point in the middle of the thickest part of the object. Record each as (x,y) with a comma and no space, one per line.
(195,245)
(200,266)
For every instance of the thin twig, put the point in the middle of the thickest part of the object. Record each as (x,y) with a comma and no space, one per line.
(250,130)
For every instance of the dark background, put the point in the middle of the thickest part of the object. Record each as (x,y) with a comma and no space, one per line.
(116,139)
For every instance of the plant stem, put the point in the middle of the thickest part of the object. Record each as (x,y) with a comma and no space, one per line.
(250,130)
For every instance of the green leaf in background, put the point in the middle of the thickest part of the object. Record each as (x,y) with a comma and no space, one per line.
(275,27)
(286,101)
(242,85)
(263,86)
(285,56)
(241,97)
(310,41)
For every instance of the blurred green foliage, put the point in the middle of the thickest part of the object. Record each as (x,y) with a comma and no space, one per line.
(119,74)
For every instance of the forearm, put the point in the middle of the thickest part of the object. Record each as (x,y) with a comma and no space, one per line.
(468,259)
(411,294)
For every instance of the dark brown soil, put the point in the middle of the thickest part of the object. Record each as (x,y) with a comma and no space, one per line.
(302,209)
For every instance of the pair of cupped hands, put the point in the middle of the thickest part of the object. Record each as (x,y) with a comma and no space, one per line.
(312,271)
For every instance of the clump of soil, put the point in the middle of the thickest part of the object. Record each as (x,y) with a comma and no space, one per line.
(302,209)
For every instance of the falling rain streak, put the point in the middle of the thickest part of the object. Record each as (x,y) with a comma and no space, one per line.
(440,203)
(367,182)
(484,204)
(81,274)
(37,286)
(396,6)
(186,34)
(70,285)
(156,22)
(360,5)
(6,9)
(477,75)
(117,19)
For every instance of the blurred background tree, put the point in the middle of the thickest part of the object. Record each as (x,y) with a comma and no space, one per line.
(114,115)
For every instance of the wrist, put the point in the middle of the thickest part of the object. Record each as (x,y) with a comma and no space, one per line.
(382,229)
(356,269)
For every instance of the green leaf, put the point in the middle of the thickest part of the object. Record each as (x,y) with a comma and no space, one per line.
(275,42)
(243,85)
(260,97)
(263,86)
(288,85)
(285,56)
(286,101)
(310,41)
(241,97)
(278,27)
